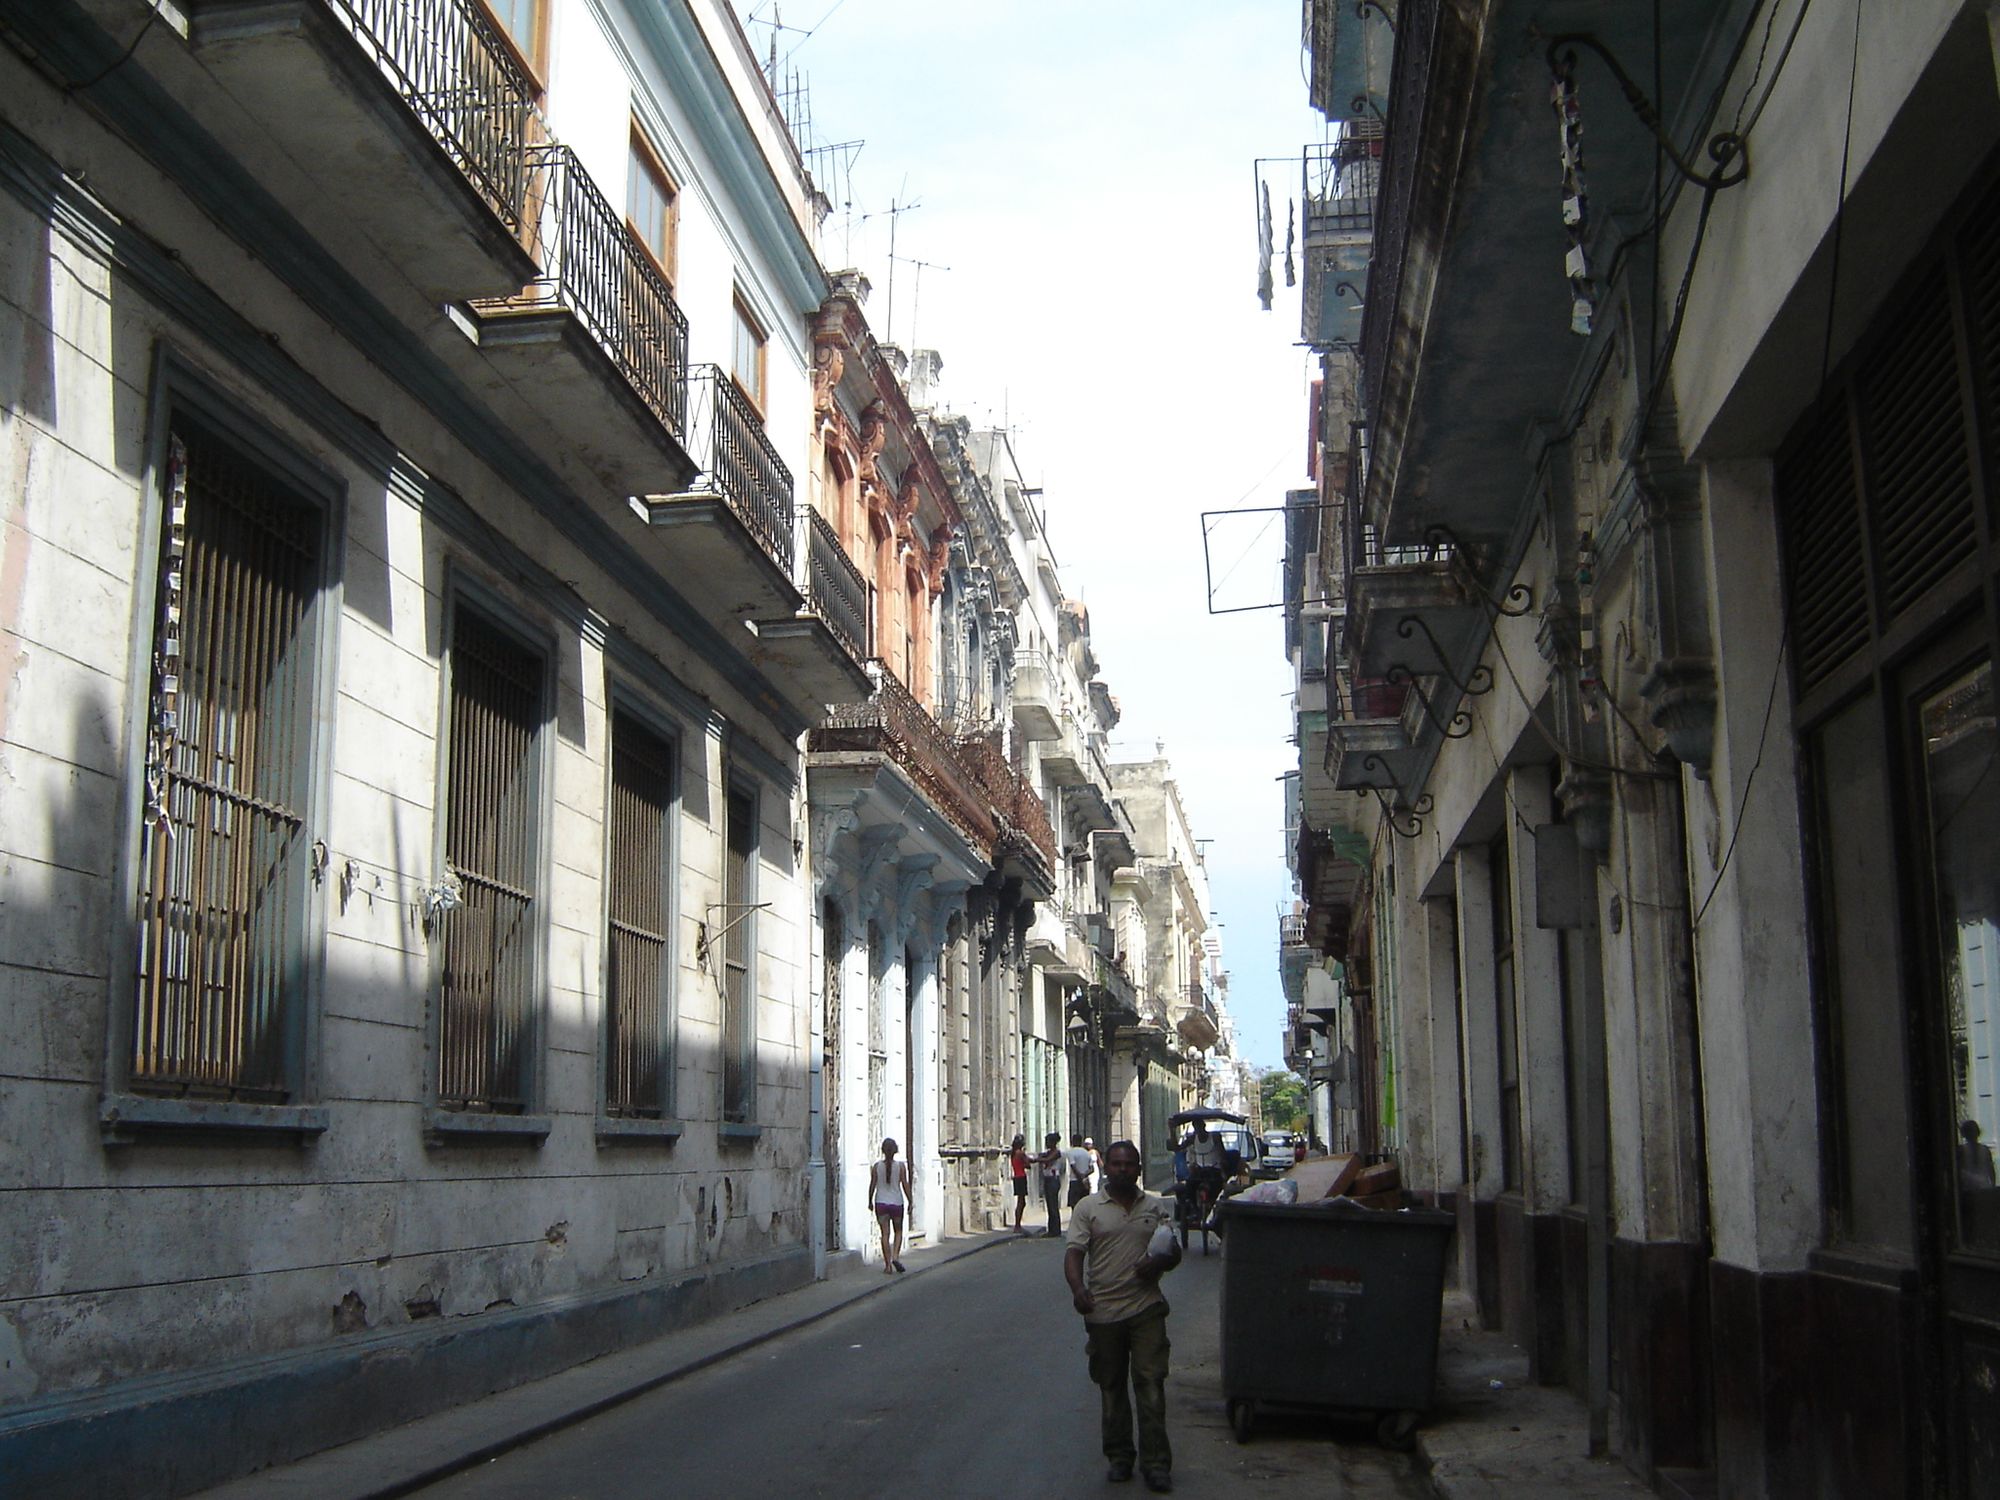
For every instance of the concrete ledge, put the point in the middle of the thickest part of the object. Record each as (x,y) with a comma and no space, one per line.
(169,1435)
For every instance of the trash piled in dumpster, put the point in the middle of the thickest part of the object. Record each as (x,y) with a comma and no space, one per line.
(1343,1182)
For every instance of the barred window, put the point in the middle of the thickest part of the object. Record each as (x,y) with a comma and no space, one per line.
(739,961)
(487,1016)
(224,851)
(638,1054)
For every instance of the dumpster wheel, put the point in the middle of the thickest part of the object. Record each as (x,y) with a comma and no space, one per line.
(1397,1430)
(1242,1420)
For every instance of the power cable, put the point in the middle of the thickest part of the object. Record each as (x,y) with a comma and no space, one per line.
(1825,361)
(152,15)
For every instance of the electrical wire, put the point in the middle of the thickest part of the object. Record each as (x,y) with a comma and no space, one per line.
(1825,362)
(1783,57)
(152,15)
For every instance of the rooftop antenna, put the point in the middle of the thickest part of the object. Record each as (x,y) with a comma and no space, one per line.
(895,211)
(916,292)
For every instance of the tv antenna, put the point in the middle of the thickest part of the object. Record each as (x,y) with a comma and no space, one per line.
(916,292)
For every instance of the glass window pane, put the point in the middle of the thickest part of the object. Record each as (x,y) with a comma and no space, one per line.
(1964,814)
(518,19)
(647,197)
(747,359)
(1865,1005)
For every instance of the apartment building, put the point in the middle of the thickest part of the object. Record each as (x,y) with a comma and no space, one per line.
(410,640)
(1651,564)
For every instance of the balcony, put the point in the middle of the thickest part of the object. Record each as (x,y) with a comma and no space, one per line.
(1025,847)
(1469,314)
(893,725)
(1351,48)
(1064,759)
(1367,743)
(1086,810)
(820,651)
(1413,611)
(1037,703)
(600,320)
(431,115)
(1341,179)
(729,533)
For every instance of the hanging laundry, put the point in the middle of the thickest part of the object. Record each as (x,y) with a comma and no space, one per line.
(1291,222)
(1264,246)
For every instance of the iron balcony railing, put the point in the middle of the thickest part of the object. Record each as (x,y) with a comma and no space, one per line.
(1369,551)
(1019,805)
(449,64)
(835,589)
(1340,182)
(592,269)
(1369,698)
(893,723)
(734,459)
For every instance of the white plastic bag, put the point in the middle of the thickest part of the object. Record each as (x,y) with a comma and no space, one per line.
(1163,1243)
(1282,1190)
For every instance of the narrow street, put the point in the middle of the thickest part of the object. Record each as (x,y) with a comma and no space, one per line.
(965,1381)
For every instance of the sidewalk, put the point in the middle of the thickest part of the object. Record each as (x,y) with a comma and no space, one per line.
(1493,1434)
(404,1459)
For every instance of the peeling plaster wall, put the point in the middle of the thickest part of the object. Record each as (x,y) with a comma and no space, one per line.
(167,1255)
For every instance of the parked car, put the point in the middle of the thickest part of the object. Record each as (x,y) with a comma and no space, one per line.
(1281,1149)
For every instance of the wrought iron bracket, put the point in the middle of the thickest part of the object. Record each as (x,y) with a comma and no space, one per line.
(1457,727)
(1404,817)
(1478,685)
(1729,151)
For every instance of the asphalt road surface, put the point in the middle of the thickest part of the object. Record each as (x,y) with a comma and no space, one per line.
(961,1383)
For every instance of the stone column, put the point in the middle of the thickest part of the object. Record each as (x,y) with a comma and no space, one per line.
(1442,1101)
(1538,990)
(1478,1250)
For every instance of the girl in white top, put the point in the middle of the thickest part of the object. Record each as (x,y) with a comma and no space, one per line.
(889,1186)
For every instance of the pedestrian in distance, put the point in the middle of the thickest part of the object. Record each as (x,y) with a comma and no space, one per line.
(1052,1164)
(1017,1163)
(1096,1161)
(889,1186)
(1082,1170)
(1120,1242)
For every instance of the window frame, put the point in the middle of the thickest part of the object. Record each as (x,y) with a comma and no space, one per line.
(532,57)
(509,616)
(736,784)
(645,157)
(745,317)
(666,1126)
(128,1112)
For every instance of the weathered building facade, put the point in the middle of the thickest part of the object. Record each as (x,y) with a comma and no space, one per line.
(1646,856)
(929,851)
(404,913)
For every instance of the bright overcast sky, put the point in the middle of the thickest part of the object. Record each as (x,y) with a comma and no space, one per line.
(1084,168)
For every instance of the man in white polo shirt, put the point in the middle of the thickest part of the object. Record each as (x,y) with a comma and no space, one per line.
(1114,1273)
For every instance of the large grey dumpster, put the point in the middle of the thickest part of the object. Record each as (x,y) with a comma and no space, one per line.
(1331,1307)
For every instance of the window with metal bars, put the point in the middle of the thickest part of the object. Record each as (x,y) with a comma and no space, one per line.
(225,851)
(487,1018)
(638,1053)
(739,960)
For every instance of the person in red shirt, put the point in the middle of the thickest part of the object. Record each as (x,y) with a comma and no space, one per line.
(1017,1163)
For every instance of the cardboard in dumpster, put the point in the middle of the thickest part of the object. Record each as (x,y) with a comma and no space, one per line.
(1324,1176)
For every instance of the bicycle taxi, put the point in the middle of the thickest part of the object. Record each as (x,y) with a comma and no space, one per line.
(1196,1188)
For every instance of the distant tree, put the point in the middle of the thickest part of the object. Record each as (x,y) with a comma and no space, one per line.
(1284,1096)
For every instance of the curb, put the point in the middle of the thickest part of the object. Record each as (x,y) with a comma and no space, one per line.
(582,1411)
